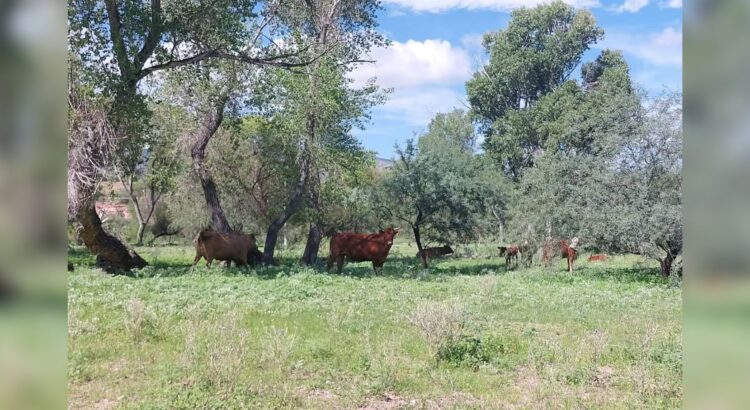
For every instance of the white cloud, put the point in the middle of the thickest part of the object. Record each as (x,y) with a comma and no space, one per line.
(415,63)
(631,6)
(436,6)
(663,48)
(671,4)
(416,107)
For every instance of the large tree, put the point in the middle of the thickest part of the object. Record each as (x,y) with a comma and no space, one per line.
(123,42)
(534,55)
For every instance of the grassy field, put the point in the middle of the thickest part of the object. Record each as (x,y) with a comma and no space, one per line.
(468,334)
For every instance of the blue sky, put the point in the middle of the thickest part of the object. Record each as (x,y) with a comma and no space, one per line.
(437,46)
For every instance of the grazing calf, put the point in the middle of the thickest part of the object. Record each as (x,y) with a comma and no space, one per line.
(598,258)
(360,247)
(211,245)
(511,253)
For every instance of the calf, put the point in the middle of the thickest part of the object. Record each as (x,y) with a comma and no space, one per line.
(360,247)
(435,252)
(511,253)
(598,258)
(567,251)
(211,245)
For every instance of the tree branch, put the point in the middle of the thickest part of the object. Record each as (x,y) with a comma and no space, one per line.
(118,43)
(153,37)
(176,63)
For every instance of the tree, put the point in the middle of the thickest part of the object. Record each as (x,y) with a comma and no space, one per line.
(150,175)
(439,186)
(123,42)
(535,54)
(320,107)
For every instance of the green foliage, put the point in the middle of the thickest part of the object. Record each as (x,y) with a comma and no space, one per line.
(440,186)
(535,54)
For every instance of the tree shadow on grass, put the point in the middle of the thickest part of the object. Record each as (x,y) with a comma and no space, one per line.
(396,267)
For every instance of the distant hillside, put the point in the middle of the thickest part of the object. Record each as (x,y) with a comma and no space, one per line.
(382,163)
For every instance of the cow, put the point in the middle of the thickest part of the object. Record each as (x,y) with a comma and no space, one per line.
(567,251)
(597,258)
(510,252)
(435,252)
(360,247)
(229,247)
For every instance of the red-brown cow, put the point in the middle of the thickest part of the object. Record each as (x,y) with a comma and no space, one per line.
(598,258)
(360,247)
(510,252)
(211,245)
(567,251)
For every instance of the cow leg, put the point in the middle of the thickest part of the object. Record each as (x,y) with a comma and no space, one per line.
(197,259)
(329,263)
(208,262)
(340,263)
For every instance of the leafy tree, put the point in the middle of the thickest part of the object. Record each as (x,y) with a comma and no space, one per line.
(534,55)
(148,177)
(121,43)
(438,186)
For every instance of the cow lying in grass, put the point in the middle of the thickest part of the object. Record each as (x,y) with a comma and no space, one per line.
(360,247)
(435,252)
(228,247)
(598,258)
(510,252)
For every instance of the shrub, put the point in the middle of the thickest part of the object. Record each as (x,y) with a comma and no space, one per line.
(440,323)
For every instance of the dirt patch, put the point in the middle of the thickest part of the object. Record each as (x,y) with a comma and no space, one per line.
(393,401)
(603,376)
(316,394)
(112,209)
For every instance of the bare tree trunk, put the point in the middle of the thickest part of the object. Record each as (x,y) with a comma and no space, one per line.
(111,254)
(418,238)
(92,139)
(209,125)
(293,205)
(666,264)
(312,247)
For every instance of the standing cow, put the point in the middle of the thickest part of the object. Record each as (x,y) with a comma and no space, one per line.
(360,247)
(210,244)
(511,253)
(567,251)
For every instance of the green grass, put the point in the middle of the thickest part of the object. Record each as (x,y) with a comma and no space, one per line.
(468,334)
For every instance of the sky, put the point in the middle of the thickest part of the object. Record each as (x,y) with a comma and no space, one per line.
(436,46)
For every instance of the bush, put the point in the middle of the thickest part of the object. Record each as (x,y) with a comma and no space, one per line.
(440,324)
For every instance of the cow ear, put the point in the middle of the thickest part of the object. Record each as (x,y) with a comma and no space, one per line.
(396,230)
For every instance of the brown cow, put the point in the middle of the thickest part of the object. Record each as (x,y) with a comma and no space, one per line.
(511,253)
(597,258)
(360,247)
(211,245)
(567,251)
(436,251)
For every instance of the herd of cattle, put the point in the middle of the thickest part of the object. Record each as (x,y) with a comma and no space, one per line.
(360,247)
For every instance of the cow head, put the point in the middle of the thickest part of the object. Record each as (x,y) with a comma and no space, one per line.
(389,234)
(503,249)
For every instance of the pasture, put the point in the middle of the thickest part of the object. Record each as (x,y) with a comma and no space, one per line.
(468,334)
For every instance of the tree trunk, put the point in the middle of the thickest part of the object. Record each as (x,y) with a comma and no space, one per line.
(418,239)
(111,254)
(295,201)
(666,264)
(314,237)
(209,125)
